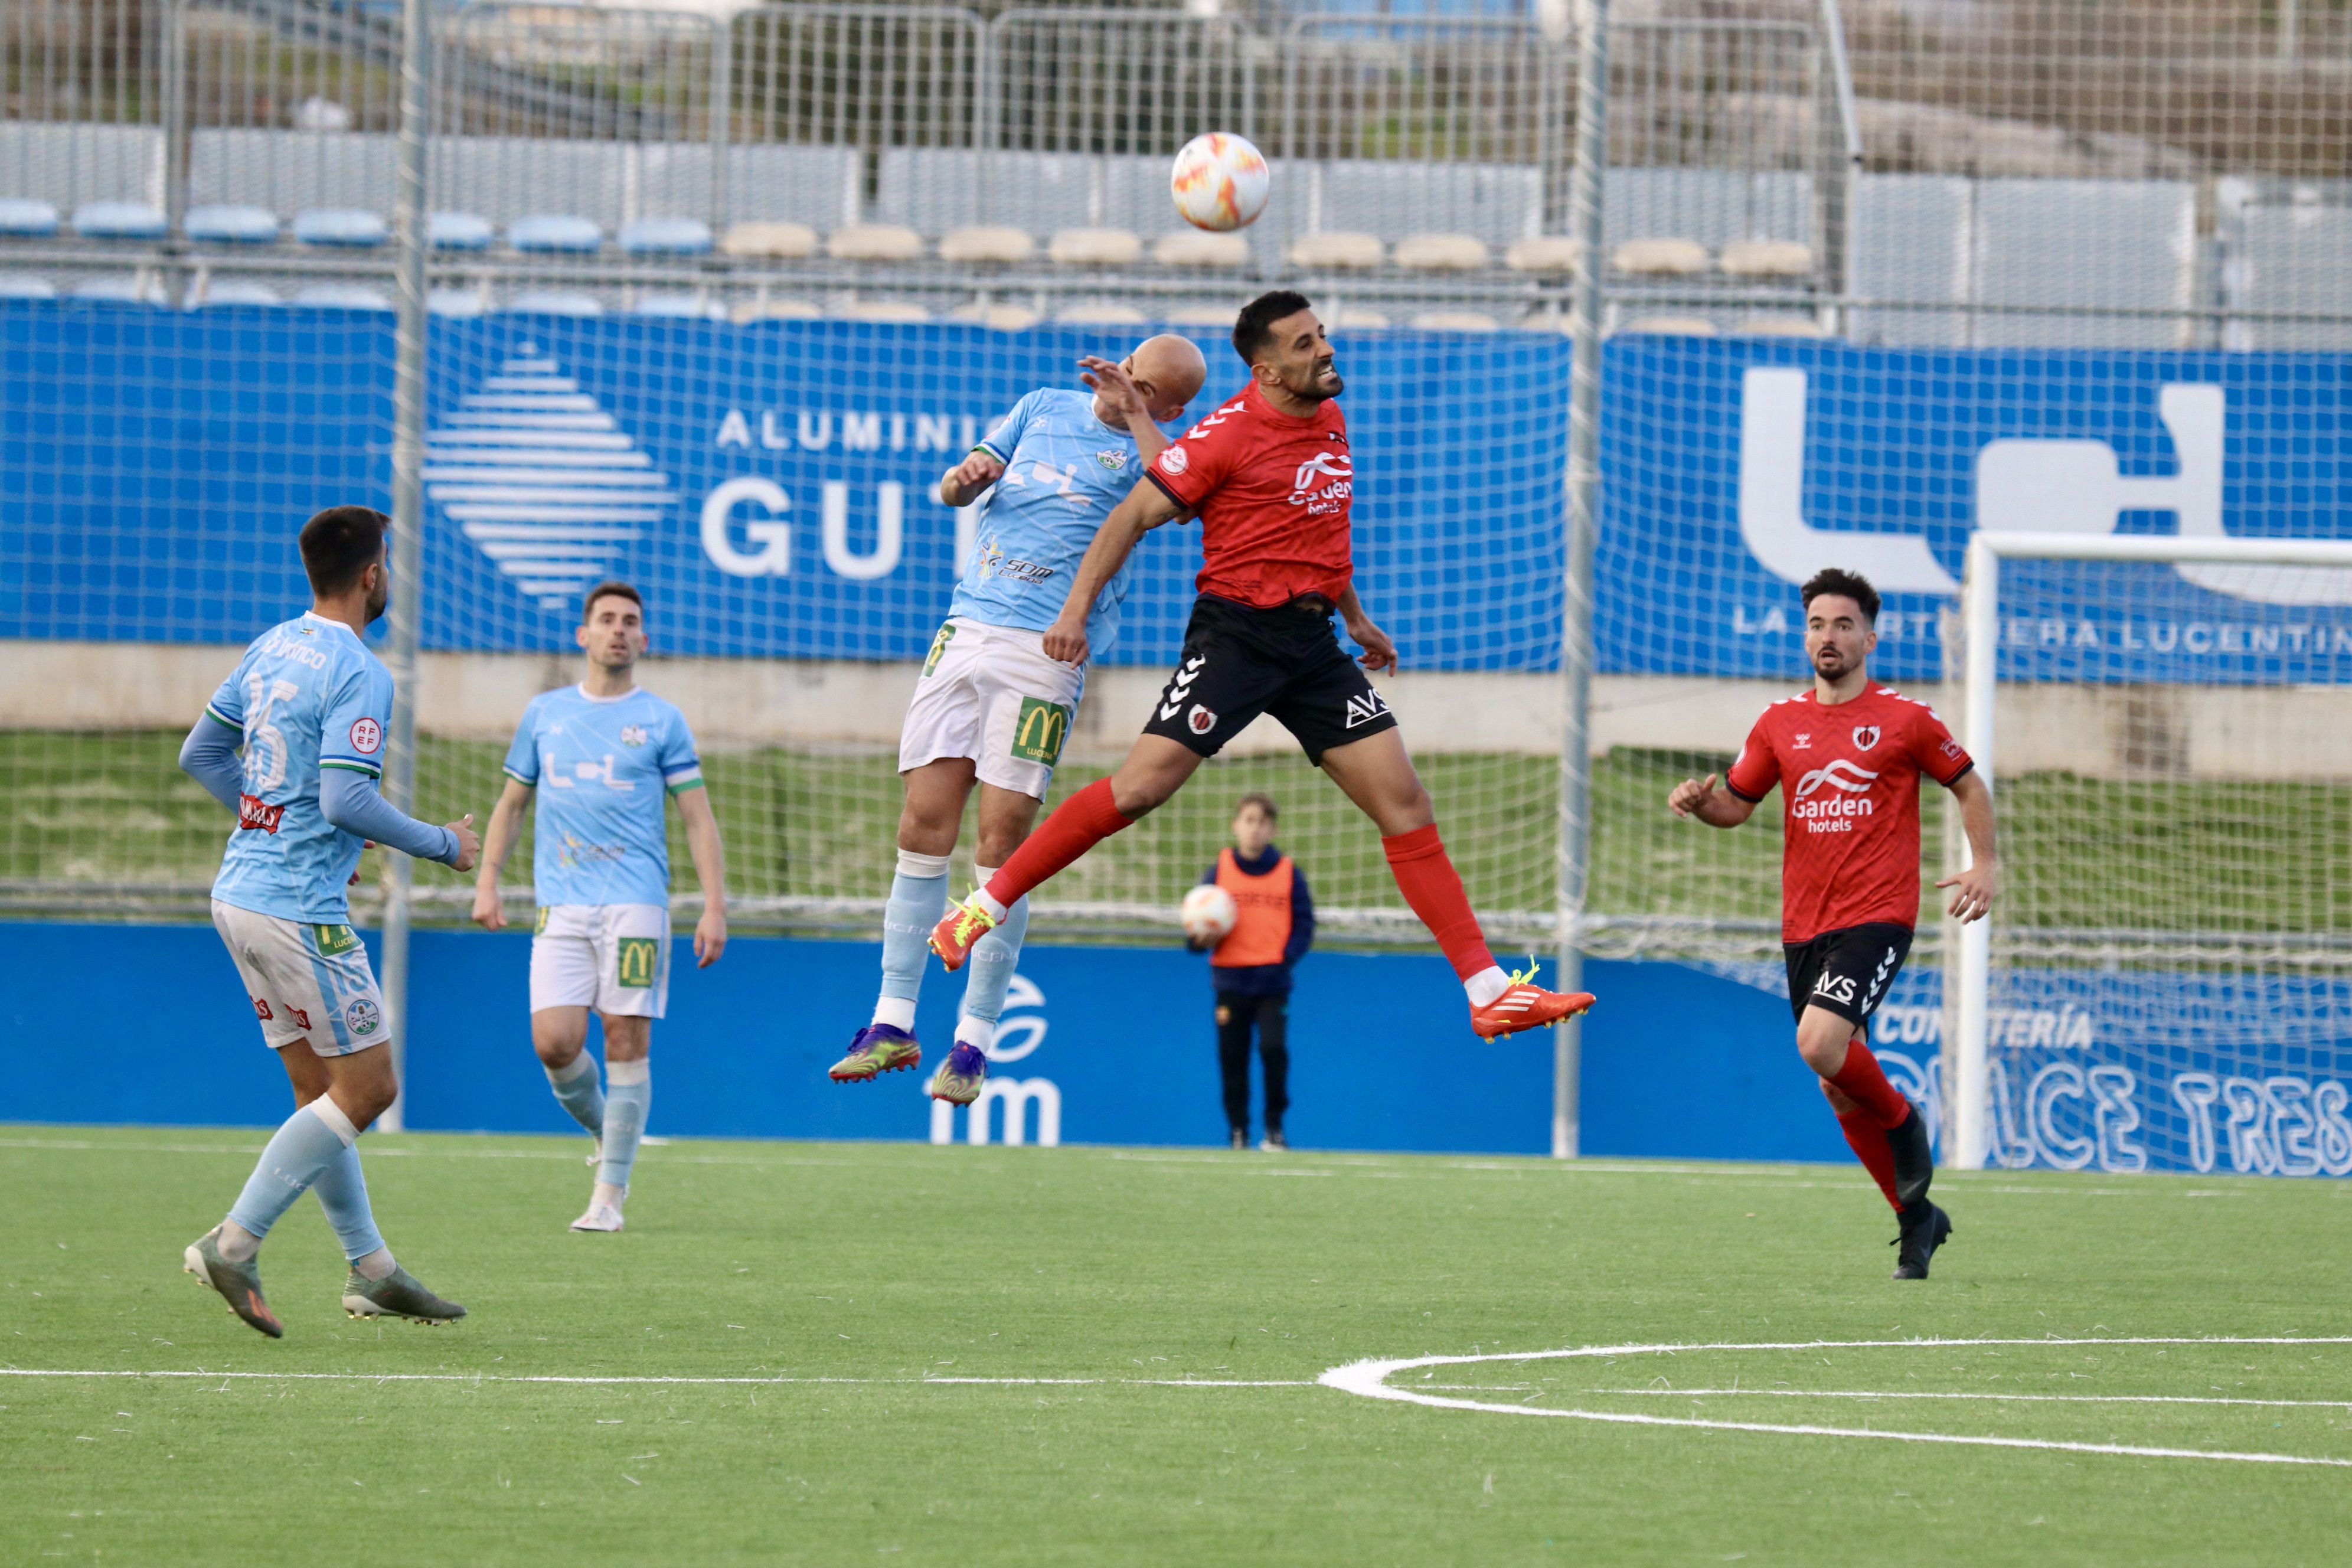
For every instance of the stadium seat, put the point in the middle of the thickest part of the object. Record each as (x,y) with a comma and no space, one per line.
(665,236)
(1338,249)
(1196,247)
(231,226)
(234,291)
(986,243)
(1766,259)
(771,241)
(555,234)
(456,302)
(21,220)
(1547,255)
(1198,315)
(25,285)
(1780,327)
(1441,253)
(1670,327)
(693,307)
(342,296)
(1456,322)
(353,227)
(1356,318)
(123,288)
(1659,258)
(874,242)
(997,318)
(457,231)
(1095,247)
(553,302)
(881,310)
(1100,313)
(784,309)
(118,220)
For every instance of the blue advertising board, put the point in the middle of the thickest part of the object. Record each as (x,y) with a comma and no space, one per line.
(771,486)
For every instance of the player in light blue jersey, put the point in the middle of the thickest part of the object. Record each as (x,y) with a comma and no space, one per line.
(990,707)
(602,757)
(308,707)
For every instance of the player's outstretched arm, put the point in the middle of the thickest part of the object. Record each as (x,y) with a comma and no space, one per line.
(1146,506)
(1709,802)
(710,857)
(349,800)
(498,842)
(1974,889)
(962,485)
(209,756)
(1379,653)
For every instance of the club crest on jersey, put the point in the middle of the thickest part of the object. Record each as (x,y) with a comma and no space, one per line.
(1200,721)
(363,1019)
(1173,460)
(1111,457)
(1865,735)
(633,734)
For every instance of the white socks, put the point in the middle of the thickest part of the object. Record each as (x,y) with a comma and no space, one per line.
(978,1033)
(1486,984)
(898,1012)
(996,911)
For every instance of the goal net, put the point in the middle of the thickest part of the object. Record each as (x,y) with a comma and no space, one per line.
(2165,983)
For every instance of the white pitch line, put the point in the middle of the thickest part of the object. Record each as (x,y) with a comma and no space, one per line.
(1997,1398)
(1368,1379)
(201,1376)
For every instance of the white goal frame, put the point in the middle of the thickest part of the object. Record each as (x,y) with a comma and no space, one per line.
(1971,971)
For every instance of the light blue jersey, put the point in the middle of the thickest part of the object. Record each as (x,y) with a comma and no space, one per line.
(307,695)
(1063,471)
(603,766)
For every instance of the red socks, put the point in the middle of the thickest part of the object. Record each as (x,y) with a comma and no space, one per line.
(1077,824)
(1868,1140)
(1861,1081)
(1434,889)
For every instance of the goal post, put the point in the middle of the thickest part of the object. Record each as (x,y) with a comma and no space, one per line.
(2165,979)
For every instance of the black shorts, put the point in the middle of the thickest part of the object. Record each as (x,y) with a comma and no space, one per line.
(1239,662)
(1847,971)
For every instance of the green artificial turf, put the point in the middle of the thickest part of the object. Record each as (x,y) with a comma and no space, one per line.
(834,1287)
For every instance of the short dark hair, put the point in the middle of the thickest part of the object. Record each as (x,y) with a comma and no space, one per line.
(1264,803)
(610,589)
(1253,328)
(1851,584)
(340,544)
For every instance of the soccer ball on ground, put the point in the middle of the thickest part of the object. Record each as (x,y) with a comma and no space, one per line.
(1207,913)
(1220,182)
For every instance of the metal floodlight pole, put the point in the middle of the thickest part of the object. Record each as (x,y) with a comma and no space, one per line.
(407,522)
(1583,482)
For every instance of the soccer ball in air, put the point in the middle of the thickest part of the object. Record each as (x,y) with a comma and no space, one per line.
(1207,913)
(1220,182)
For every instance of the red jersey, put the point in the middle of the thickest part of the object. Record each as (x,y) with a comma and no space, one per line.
(1848,778)
(1273,494)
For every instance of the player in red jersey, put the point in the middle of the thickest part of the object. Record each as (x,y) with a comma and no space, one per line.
(1270,477)
(1847,756)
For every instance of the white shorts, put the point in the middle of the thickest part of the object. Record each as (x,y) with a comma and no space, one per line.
(612,957)
(990,694)
(307,981)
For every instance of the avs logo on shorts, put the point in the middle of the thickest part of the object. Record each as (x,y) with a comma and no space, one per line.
(1363,710)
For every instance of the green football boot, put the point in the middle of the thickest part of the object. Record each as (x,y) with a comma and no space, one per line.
(876,1048)
(962,1077)
(398,1295)
(238,1283)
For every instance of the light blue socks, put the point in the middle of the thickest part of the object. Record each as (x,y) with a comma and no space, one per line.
(343,1193)
(993,959)
(575,1088)
(628,1095)
(299,1153)
(918,897)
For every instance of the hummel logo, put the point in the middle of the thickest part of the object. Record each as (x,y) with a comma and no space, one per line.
(1180,687)
(1803,742)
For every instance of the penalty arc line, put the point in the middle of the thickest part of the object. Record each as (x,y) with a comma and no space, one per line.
(1368,1379)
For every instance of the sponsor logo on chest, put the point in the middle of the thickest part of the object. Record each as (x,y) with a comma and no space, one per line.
(1828,799)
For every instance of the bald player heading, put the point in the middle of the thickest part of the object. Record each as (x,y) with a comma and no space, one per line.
(990,708)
